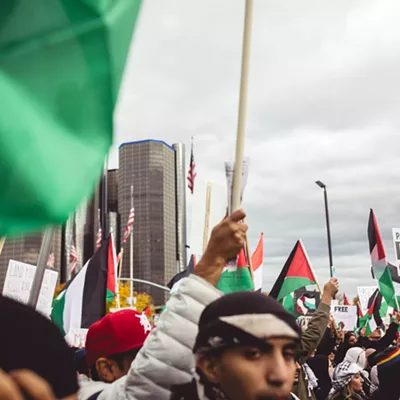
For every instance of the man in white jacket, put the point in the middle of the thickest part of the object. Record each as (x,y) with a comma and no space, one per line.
(166,359)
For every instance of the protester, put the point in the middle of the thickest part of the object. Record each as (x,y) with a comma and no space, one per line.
(357,356)
(25,384)
(166,358)
(321,367)
(347,382)
(29,341)
(388,366)
(312,336)
(350,340)
(245,349)
(375,339)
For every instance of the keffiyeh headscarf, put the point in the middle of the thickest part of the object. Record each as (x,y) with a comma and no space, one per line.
(342,375)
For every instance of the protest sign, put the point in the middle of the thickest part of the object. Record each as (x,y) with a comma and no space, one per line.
(396,243)
(77,337)
(345,317)
(364,293)
(303,322)
(306,302)
(18,282)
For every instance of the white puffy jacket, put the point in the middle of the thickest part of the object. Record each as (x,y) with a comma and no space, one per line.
(166,358)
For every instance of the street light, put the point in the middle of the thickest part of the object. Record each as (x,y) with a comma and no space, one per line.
(328,227)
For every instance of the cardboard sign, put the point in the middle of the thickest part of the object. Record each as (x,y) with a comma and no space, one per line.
(77,337)
(306,302)
(345,317)
(303,322)
(396,243)
(18,283)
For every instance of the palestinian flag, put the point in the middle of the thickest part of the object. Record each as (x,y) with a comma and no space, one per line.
(61,69)
(378,259)
(236,278)
(346,300)
(288,303)
(257,261)
(372,319)
(296,273)
(83,301)
(112,273)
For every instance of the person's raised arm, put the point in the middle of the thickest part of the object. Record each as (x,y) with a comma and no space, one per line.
(316,327)
(166,358)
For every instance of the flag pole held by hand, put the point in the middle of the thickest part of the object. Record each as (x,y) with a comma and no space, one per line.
(238,170)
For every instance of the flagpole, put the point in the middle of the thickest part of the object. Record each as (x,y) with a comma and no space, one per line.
(207,217)
(41,267)
(240,138)
(131,255)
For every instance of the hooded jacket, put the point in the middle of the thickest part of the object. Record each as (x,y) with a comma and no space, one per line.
(166,358)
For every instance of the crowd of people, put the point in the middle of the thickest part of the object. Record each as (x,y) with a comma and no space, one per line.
(206,346)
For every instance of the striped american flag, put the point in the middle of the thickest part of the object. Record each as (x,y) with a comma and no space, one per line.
(50,261)
(98,239)
(192,172)
(128,228)
(73,258)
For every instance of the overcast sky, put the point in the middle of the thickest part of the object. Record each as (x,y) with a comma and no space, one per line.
(324,103)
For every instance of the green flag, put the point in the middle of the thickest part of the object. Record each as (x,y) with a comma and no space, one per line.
(61,65)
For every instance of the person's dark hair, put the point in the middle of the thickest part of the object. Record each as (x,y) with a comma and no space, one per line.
(44,351)
(118,358)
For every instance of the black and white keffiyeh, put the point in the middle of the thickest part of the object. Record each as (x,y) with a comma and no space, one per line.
(342,375)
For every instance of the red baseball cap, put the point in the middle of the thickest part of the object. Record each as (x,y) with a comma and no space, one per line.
(116,333)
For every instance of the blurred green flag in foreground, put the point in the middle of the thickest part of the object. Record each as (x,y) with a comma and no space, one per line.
(61,65)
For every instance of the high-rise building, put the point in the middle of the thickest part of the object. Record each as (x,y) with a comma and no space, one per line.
(26,249)
(149,167)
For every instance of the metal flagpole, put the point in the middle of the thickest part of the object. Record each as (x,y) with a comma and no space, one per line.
(41,267)
(131,253)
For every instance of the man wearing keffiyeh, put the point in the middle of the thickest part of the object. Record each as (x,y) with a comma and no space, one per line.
(245,349)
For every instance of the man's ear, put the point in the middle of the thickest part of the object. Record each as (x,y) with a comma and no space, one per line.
(209,367)
(104,370)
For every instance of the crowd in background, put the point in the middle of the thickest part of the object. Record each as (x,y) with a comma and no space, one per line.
(206,346)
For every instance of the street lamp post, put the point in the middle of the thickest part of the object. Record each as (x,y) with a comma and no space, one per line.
(328,227)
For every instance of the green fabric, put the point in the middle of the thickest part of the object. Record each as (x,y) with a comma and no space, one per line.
(235,281)
(386,287)
(110,296)
(57,311)
(61,65)
(292,284)
(288,304)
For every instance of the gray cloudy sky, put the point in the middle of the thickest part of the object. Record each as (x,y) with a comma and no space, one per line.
(323,104)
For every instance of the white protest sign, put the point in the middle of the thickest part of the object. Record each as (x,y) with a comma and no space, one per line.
(345,317)
(303,322)
(364,293)
(396,243)
(77,337)
(18,282)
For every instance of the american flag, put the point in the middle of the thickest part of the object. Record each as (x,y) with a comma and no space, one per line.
(73,258)
(98,239)
(192,172)
(50,261)
(128,228)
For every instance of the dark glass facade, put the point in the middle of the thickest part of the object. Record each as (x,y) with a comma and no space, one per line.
(149,166)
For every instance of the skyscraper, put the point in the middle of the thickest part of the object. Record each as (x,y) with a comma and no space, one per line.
(149,166)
